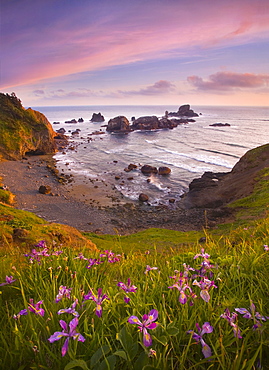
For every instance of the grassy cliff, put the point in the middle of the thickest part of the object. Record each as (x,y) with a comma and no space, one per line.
(23,130)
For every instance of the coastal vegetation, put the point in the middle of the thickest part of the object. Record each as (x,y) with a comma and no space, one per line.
(156,299)
(23,130)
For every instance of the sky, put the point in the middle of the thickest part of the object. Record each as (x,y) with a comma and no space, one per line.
(115,52)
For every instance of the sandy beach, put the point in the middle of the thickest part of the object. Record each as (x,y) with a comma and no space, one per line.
(90,207)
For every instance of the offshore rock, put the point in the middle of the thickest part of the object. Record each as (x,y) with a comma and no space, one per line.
(147,169)
(143,197)
(164,171)
(97,117)
(184,111)
(118,124)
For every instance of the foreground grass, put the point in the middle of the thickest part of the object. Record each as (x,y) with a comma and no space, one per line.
(238,266)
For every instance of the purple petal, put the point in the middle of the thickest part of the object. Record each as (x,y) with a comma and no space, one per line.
(206,349)
(153,315)
(65,347)
(146,338)
(56,336)
(23,312)
(153,325)
(98,310)
(126,299)
(182,297)
(63,325)
(206,328)
(205,295)
(73,324)
(134,320)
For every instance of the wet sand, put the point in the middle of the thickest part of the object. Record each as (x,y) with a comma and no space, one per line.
(92,207)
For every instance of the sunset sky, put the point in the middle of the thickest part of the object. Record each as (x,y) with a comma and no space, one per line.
(85,52)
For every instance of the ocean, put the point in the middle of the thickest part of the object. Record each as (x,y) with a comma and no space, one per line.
(188,150)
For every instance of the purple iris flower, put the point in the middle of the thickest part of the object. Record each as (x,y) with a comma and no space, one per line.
(252,314)
(70,309)
(64,292)
(146,324)
(93,262)
(33,307)
(206,256)
(128,289)
(80,257)
(148,268)
(266,248)
(205,284)
(64,333)
(9,280)
(99,299)
(206,328)
(231,318)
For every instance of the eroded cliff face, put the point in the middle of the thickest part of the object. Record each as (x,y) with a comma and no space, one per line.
(214,190)
(22,130)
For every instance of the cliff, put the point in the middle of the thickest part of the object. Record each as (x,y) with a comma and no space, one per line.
(23,130)
(214,190)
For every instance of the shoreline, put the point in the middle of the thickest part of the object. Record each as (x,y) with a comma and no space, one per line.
(87,206)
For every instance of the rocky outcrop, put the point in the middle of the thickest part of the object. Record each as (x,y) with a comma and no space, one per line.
(214,190)
(22,130)
(152,123)
(119,124)
(97,117)
(219,124)
(147,169)
(164,171)
(184,111)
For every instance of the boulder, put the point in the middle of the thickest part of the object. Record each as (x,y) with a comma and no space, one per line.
(184,111)
(44,189)
(118,124)
(164,171)
(61,131)
(146,123)
(147,169)
(80,120)
(97,117)
(219,124)
(71,121)
(143,197)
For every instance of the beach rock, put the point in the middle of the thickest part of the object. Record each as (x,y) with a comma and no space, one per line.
(97,117)
(147,169)
(118,124)
(143,197)
(146,123)
(219,124)
(164,171)
(44,189)
(184,111)
(80,120)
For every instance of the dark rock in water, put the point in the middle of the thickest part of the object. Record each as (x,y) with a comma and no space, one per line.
(146,123)
(44,189)
(184,111)
(76,132)
(164,171)
(97,117)
(71,121)
(56,123)
(61,131)
(133,119)
(80,120)
(118,124)
(147,169)
(218,124)
(143,197)
(132,166)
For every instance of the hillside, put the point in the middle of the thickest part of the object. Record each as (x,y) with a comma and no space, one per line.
(23,130)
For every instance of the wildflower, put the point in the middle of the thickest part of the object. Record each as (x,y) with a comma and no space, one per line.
(148,268)
(205,284)
(266,248)
(128,289)
(70,309)
(33,307)
(64,333)
(147,323)
(206,328)
(252,314)
(231,318)
(98,300)
(9,280)
(152,353)
(63,292)
(93,262)
(80,257)
(202,254)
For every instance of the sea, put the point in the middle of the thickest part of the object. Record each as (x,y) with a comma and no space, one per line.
(188,150)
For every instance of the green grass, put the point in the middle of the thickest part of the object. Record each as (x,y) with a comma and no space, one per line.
(240,272)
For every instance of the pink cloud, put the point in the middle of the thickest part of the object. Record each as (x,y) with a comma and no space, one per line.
(159,88)
(94,37)
(227,81)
